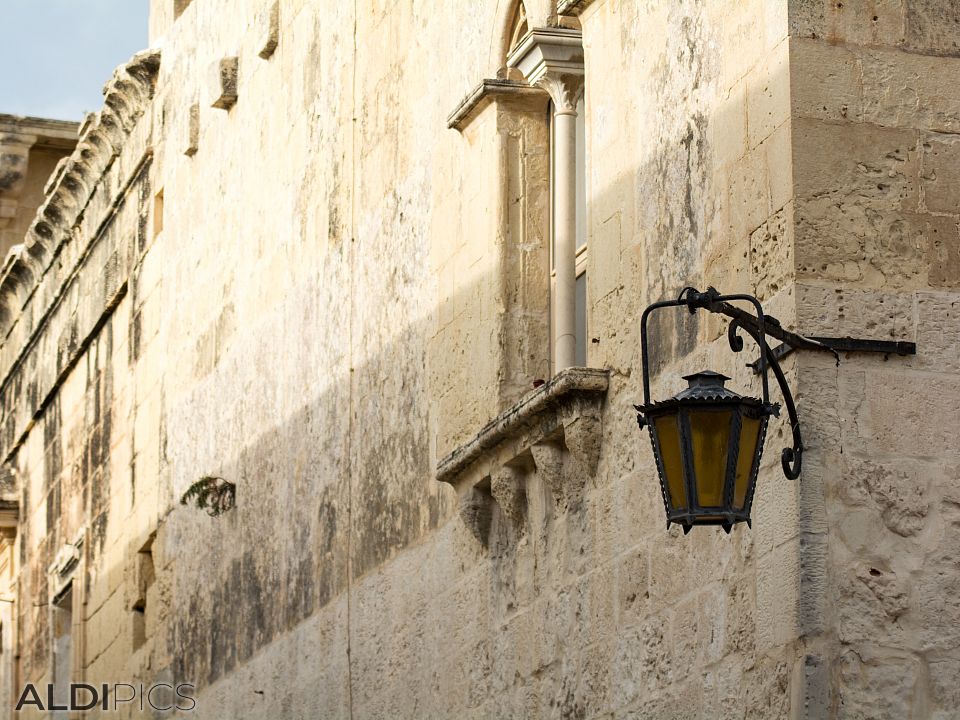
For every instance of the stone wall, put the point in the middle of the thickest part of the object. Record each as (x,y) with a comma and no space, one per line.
(875,118)
(270,260)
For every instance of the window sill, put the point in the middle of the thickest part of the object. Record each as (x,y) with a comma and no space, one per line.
(485,93)
(553,432)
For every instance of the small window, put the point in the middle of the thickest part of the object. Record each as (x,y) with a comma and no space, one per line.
(158,213)
(62,622)
(519,27)
(581,320)
(179,6)
(145,577)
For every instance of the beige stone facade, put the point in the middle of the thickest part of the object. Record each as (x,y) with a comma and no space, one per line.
(306,247)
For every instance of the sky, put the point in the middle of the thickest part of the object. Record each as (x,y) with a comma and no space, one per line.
(56,55)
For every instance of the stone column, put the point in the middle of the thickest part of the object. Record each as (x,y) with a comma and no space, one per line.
(553,59)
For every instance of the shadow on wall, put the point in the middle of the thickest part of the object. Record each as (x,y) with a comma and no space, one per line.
(342,485)
(334,467)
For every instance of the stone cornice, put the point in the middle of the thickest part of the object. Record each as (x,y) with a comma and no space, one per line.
(545,400)
(45,132)
(488,91)
(551,49)
(102,136)
(553,59)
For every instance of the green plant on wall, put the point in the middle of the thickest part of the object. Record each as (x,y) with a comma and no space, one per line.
(211,493)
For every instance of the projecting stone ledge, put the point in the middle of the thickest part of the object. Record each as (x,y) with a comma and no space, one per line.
(488,91)
(554,432)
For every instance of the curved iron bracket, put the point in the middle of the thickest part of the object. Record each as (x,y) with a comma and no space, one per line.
(758,327)
(791,458)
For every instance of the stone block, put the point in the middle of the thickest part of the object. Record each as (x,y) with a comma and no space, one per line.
(910,90)
(900,494)
(771,254)
(938,332)
(944,689)
(775,500)
(932,27)
(268,30)
(605,263)
(882,690)
(911,416)
(643,660)
(739,624)
(191,130)
(943,251)
(633,592)
(222,82)
(748,194)
(879,22)
(768,95)
(727,132)
(835,311)
(940,177)
(857,194)
(825,81)
(877,165)
(870,601)
(778,592)
(935,594)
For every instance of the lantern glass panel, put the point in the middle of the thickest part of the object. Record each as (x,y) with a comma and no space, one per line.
(710,436)
(749,437)
(668,438)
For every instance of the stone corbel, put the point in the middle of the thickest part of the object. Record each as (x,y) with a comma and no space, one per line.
(581,434)
(554,431)
(476,511)
(508,488)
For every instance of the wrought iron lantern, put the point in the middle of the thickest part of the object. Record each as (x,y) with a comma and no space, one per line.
(708,440)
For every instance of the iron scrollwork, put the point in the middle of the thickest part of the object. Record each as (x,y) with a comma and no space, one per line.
(757,327)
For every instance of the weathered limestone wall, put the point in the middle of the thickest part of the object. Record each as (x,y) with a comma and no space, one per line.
(68,390)
(875,120)
(297,278)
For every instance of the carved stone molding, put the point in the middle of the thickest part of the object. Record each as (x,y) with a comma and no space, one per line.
(573,7)
(552,58)
(222,82)
(555,432)
(565,90)
(268,31)
(102,135)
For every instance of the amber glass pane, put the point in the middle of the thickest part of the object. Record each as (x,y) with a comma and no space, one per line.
(710,433)
(668,437)
(749,437)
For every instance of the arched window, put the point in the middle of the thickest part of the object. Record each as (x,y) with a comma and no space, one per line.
(518,27)
(552,58)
